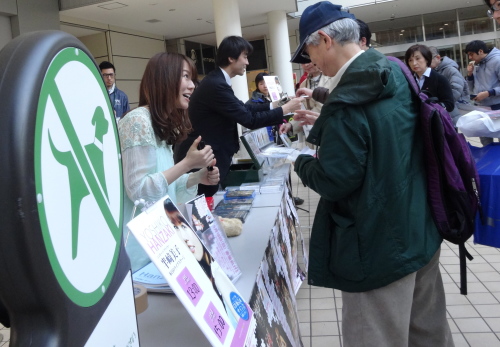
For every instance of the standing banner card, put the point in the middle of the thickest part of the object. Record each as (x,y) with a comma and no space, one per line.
(212,235)
(195,277)
(274,87)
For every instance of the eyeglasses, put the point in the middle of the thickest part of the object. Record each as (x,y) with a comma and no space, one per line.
(492,10)
(304,53)
(108,75)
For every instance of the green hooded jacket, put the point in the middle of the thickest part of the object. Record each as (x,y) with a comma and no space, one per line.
(373,224)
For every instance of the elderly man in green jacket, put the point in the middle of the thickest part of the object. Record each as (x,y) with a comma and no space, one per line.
(373,235)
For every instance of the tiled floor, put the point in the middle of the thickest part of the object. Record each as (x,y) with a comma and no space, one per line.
(474,319)
(4,336)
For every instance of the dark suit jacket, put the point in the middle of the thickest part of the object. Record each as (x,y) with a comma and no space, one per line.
(214,111)
(438,86)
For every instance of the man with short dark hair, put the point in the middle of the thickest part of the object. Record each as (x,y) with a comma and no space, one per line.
(215,111)
(483,76)
(119,100)
(365,35)
(373,236)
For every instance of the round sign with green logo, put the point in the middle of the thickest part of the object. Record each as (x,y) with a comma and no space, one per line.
(78,177)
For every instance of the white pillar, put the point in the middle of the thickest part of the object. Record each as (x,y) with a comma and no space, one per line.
(280,50)
(227,23)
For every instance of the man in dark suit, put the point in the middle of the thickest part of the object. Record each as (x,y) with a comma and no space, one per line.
(214,110)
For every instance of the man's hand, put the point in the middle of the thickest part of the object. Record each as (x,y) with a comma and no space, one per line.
(304,91)
(305,117)
(292,105)
(481,96)
(285,128)
(470,68)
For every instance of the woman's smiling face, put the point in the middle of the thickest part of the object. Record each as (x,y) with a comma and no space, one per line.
(188,236)
(186,87)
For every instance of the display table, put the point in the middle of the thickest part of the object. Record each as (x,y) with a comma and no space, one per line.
(488,166)
(266,252)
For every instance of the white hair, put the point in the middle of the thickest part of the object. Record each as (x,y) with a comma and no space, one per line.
(343,31)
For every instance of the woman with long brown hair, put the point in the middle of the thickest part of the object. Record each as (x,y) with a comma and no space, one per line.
(147,135)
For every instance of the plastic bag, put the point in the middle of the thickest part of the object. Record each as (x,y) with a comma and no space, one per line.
(479,124)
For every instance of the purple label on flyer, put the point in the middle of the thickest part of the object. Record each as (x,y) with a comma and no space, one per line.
(216,322)
(189,286)
(242,329)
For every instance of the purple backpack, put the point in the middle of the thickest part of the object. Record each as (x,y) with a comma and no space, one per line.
(452,177)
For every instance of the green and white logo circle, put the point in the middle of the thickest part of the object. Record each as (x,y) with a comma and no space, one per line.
(78,177)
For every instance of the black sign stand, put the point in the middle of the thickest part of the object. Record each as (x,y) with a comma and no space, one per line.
(40,312)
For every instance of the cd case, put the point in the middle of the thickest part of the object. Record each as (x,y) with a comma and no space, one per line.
(239,194)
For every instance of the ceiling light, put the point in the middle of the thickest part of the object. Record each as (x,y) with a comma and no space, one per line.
(445,23)
(372,2)
(172,10)
(112,6)
(440,28)
(153,20)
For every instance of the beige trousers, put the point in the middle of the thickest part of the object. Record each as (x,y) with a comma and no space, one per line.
(410,312)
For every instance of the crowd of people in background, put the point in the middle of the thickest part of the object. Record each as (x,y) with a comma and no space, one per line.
(368,169)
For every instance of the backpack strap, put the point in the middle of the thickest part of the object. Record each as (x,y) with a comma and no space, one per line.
(430,137)
(408,74)
(462,253)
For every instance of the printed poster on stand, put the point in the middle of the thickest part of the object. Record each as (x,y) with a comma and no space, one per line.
(278,280)
(211,233)
(195,277)
(274,87)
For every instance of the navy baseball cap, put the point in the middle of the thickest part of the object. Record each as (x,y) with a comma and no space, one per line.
(314,18)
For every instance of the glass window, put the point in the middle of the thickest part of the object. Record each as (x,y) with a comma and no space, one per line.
(440,25)
(202,55)
(208,58)
(397,31)
(453,52)
(193,50)
(473,20)
(258,59)
(399,55)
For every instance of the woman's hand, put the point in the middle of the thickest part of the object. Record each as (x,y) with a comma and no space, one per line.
(204,176)
(305,117)
(210,177)
(196,159)
(285,128)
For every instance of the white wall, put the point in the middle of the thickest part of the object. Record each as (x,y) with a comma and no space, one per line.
(5,31)
(128,50)
(293,37)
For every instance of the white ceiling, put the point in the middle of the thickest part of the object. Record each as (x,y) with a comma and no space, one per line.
(193,19)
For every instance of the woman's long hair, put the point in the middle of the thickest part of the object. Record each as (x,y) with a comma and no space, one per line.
(159,90)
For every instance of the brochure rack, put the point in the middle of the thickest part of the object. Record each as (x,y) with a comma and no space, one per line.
(266,252)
